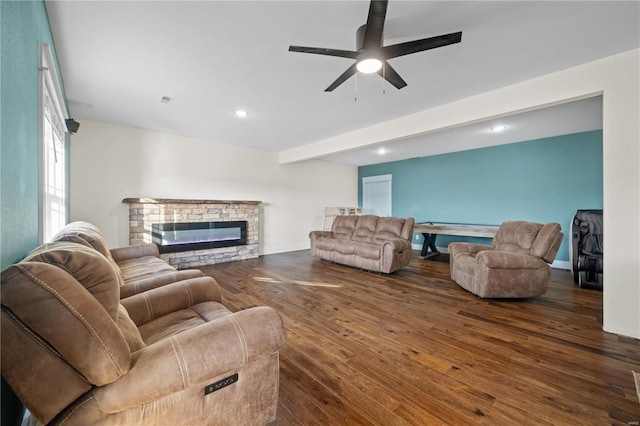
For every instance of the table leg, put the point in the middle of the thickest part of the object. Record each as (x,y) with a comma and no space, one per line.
(429,244)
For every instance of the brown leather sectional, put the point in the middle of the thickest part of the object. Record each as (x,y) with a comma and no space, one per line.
(138,267)
(379,244)
(75,353)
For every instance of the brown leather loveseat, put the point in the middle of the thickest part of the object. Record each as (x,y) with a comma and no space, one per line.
(138,267)
(75,353)
(380,244)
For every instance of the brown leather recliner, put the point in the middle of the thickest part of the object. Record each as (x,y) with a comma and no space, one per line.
(515,265)
(76,354)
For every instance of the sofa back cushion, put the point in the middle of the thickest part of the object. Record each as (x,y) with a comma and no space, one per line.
(365,228)
(516,236)
(388,228)
(87,266)
(57,339)
(547,242)
(343,227)
(407,228)
(88,234)
(531,238)
(74,301)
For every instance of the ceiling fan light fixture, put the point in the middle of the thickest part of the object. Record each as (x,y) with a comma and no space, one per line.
(369,65)
(371,54)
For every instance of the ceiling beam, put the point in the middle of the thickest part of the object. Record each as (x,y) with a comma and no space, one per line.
(542,92)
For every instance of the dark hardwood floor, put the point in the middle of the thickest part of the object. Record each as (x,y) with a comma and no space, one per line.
(414,348)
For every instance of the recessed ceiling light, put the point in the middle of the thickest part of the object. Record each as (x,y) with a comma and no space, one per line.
(498,128)
(241,113)
(381,151)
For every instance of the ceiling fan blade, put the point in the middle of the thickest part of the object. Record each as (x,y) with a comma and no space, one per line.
(402,49)
(323,51)
(388,73)
(344,77)
(375,25)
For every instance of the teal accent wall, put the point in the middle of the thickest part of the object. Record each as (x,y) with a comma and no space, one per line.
(24,25)
(543,180)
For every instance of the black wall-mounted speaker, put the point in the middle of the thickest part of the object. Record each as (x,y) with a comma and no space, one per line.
(72,125)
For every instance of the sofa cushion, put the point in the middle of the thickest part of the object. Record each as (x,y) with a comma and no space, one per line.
(343,227)
(88,234)
(143,267)
(388,228)
(365,228)
(129,330)
(367,250)
(87,266)
(343,246)
(179,321)
(47,299)
(323,243)
(516,236)
(547,242)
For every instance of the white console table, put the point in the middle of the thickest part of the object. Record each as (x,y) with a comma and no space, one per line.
(430,231)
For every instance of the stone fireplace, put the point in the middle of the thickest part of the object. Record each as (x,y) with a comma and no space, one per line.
(191,233)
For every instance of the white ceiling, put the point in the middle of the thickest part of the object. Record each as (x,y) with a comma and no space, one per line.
(118,59)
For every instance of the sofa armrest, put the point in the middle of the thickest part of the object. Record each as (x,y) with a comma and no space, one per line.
(145,284)
(317,234)
(396,245)
(149,305)
(495,259)
(194,358)
(314,235)
(132,252)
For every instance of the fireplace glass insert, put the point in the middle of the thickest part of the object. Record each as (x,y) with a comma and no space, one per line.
(176,237)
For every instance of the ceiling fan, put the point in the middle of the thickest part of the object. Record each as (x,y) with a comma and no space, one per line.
(371,55)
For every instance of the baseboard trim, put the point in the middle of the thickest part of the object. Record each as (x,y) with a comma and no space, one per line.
(561,264)
(440,249)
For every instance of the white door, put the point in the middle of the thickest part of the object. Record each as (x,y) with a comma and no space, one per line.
(376,195)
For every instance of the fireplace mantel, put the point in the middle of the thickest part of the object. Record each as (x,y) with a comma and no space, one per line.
(146,212)
(183,201)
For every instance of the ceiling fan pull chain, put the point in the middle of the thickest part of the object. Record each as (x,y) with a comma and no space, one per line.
(355,91)
(384,77)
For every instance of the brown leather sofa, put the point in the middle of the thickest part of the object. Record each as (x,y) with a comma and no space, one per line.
(138,267)
(380,244)
(77,354)
(515,265)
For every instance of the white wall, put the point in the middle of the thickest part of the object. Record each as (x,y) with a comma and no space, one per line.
(617,78)
(111,162)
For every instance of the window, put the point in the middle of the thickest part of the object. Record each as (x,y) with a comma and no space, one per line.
(53,187)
